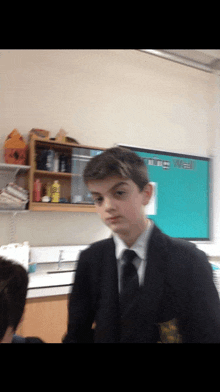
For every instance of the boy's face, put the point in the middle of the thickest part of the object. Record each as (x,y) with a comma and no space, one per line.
(120,204)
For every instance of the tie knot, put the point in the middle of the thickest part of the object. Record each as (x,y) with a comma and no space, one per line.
(129,255)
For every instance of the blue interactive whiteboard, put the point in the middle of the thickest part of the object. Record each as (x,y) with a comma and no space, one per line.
(182,192)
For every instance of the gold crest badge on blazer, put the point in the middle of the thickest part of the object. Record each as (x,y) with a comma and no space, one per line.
(169,332)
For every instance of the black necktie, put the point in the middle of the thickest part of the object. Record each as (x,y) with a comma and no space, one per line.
(129,280)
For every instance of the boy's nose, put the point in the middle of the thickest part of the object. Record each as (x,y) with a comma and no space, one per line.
(109,204)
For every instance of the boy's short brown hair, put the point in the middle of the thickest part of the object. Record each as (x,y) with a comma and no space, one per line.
(117,161)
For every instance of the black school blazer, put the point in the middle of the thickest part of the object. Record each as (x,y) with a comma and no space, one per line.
(178,301)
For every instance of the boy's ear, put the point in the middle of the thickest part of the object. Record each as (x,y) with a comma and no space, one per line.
(147,193)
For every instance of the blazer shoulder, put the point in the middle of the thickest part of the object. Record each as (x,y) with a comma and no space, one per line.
(182,245)
(99,246)
(97,250)
(172,245)
(185,248)
(92,259)
(187,259)
(179,251)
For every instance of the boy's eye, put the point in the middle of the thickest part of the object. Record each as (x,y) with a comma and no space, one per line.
(120,193)
(98,200)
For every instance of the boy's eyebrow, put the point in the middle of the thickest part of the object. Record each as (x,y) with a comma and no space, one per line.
(95,193)
(113,188)
(119,184)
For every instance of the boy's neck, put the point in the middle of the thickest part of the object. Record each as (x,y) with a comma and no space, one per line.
(8,336)
(131,237)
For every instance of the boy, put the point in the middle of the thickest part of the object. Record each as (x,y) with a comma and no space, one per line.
(13,291)
(163,291)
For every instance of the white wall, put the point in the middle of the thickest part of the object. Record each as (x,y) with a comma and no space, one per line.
(101,97)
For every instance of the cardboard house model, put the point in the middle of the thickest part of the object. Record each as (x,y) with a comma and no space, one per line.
(15,148)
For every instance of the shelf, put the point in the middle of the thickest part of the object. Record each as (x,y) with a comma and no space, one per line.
(61,207)
(55,174)
(11,167)
(13,211)
(66,144)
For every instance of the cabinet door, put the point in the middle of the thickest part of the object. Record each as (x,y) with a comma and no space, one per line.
(45,318)
(80,158)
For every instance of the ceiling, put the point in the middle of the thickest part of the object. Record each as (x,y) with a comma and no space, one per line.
(210,57)
(205,59)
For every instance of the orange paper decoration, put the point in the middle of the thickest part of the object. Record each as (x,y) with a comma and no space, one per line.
(15,148)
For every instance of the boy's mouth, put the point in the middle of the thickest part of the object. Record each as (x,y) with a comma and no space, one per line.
(113,219)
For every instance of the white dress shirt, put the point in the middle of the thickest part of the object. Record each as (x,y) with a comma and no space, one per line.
(140,247)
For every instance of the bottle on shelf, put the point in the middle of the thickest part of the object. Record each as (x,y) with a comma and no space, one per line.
(37,190)
(55,192)
(50,160)
(56,162)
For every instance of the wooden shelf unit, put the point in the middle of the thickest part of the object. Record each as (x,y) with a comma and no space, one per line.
(66,180)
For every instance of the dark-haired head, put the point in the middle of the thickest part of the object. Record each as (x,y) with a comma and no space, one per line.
(13,291)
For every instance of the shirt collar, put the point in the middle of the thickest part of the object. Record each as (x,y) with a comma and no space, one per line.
(140,245)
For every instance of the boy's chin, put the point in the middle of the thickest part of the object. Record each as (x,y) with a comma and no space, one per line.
(118,230)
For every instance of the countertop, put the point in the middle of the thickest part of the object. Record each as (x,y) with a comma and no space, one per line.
(49,278)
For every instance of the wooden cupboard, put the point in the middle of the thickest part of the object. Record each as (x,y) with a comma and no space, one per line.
(72,188)
(45,318)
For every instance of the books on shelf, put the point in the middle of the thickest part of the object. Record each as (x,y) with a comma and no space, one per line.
(13,197)
(17,191)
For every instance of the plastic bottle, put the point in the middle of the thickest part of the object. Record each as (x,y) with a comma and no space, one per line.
(50,160)
(56,162)
(37,190)
(63,163)
(55,194)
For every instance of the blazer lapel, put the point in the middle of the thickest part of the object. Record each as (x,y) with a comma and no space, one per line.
(152,290)
(107,315)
